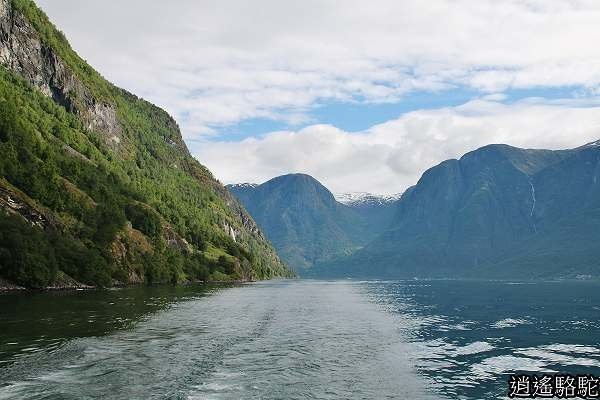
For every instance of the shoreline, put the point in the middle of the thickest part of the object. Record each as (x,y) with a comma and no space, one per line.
(9,287)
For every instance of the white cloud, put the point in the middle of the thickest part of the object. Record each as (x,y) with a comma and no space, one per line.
(218,62)
(389,157)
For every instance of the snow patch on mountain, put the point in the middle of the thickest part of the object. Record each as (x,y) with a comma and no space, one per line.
(593,144)
(364,198)
(242,186)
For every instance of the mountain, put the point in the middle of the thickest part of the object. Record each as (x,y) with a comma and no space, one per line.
(242,191)
(498,212)
(304,221)
(364,199)
(376,210)
(97,186)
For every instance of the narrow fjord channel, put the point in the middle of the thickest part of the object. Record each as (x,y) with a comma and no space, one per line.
(295,339)
(286,339)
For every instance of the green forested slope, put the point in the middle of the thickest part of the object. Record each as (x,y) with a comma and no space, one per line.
(97,184)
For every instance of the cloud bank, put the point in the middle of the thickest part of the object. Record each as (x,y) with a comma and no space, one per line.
(214,63)
(218,63)
(390,157)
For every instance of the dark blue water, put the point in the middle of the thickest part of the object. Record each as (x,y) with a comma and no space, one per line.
(467,337)
(296,340)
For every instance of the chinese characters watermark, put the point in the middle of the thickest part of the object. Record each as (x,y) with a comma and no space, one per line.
(554,386)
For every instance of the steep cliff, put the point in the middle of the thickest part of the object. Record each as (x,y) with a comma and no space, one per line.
(103,178)
(497,212)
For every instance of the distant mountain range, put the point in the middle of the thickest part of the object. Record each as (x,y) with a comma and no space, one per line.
(497,212)
(306,224)
(358,199)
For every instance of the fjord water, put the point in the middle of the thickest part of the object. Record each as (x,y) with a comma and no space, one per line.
(296,339)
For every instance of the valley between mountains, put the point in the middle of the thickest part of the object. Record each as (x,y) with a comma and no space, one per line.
(498,212)
(98,188)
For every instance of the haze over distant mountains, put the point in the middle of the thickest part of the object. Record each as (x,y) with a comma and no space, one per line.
(305,222)
(497,212)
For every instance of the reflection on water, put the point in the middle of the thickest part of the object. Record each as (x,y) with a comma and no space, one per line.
(42,321)
(468,336)
(296,339)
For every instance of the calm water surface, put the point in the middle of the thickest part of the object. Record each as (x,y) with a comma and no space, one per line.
(296,339)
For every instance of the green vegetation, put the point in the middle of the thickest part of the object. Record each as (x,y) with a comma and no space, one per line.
(32,257)
(136,206)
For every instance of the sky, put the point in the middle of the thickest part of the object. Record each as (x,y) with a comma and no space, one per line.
(364,96)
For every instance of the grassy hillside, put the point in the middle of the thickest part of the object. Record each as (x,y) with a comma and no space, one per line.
(98,184)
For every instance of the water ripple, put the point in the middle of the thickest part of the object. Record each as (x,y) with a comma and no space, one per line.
(290,340)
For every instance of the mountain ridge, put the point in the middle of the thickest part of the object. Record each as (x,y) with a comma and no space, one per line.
(306,223)
(360,198)
(498,211)
(300,217)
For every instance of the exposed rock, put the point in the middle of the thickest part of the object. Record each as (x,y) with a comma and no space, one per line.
(246,220)
(128,245)
(15,202)
(134,277)
(127,250)
(65,282)
(102,117)
(23,51)
(174,240)
(7,285)
(230,231)
(62,282)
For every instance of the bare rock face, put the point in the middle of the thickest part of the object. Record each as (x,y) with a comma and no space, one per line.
(15,203)
(175,241)
(230,231)
(245,219)
(102,117)
(23,52)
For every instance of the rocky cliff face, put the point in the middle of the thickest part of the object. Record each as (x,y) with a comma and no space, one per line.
(23,52)
(137,144)
(14,201)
